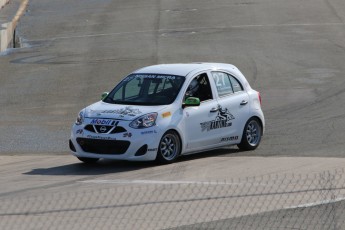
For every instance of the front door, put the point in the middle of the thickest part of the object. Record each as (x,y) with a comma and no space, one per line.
(202,122)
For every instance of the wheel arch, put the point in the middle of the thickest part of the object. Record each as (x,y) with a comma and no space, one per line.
(261,123)
(179,137)
(161,157)
(254,136)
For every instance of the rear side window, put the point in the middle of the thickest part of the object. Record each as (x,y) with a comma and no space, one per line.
(226,84)
(236,85)
(223,83)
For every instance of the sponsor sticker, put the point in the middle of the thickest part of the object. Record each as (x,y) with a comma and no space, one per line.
(127,135)
(166,114)
(100,137)
(149,132)
(149,76)
(79,131)
(233,138)
(222,120)
(129,111)
(152,150)
(102,122)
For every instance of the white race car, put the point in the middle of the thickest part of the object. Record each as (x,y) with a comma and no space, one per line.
(163,111)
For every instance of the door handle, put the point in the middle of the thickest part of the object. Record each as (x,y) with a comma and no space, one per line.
(244,102)
(213,110)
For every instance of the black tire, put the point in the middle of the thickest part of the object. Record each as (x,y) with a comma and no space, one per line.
(87,160)
(251,136)
(169,148)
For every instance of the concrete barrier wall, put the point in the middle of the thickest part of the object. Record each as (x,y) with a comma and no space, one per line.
(6,35)
(4,30)
(7,29)
(3,3)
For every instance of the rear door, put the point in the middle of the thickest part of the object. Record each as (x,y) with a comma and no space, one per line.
(233,107)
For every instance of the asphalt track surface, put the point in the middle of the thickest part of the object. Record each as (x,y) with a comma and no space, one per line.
(293,52)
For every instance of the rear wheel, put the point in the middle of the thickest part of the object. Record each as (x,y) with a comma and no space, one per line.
(251,135)
(169,147)
(88,160)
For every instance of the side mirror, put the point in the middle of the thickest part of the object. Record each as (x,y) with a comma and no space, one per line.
(191,101)
(104,95)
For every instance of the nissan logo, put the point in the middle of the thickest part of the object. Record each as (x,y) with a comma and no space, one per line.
(103,129)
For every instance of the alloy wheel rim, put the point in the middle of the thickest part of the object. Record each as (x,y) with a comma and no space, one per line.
(169,147)
(253,133)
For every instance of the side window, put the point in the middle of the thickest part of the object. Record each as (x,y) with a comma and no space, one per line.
(226,84)
(236,85)
(200,88)
(223,83)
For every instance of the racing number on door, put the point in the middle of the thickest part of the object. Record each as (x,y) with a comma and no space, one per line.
(222,82)
(219,80)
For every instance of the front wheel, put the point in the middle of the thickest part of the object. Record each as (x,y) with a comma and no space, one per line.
(88,160)
(251,135)
(169,147)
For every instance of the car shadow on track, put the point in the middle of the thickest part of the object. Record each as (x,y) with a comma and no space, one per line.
(104,166)
(223,152)
(100,168)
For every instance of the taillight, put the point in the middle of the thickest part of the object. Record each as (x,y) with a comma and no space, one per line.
(259,98)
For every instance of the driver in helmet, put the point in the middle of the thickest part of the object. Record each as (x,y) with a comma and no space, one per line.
(192,90)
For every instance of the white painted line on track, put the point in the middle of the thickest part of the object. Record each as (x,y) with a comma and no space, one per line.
(188,29)
(322,202)
(159,182)
(152,182)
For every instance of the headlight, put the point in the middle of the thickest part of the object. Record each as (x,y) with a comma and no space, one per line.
(80,118)
(145,121)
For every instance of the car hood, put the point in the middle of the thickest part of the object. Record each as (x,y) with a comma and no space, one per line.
(123,112)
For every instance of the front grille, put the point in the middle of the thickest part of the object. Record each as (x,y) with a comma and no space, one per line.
(90,128)
(103,146)
(97,129)
(103,128)
(118,129)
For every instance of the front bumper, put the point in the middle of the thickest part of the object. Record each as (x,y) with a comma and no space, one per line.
(131,144)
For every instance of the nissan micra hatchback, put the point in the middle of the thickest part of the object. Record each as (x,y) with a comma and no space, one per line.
(163,111)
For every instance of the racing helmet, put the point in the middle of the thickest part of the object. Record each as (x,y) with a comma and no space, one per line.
(192,88)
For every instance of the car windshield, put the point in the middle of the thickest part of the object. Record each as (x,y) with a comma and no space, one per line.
(146,89)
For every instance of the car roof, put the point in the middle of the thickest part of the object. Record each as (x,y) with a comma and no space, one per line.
(183,69)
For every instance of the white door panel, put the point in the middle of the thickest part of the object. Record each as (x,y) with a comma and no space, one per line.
(235,106)
(233,102)
(200,125)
